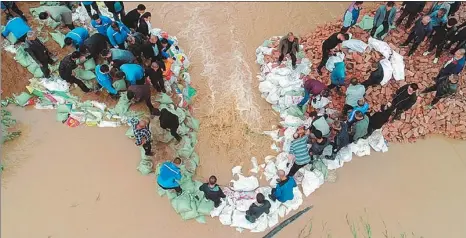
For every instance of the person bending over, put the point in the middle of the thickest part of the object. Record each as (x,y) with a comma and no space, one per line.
(289,45)
(66,67)
(258,208)
(284,190)
(212,191)
(138,93)
(142,134)
(170,121)
(170,176)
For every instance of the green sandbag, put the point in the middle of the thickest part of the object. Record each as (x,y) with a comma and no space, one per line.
(38,73)
(186,151)
(38,93)
(366,23)
(192,123)
(205,207)
(267,43)
(182,203)
(89,64)
(84,74)
(62,117)
(301,54)
(295,111)
(183,130)
(63,109)
(193,137)
(123,104)
(22,99)
(130,133)
(188,185)
(194,157)
(23,57)
(164,99)
(189,92)
(145,167)
(192,213)
(119,85)
(201,219)
(59,38)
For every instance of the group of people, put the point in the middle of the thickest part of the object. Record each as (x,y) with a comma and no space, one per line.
(356,121)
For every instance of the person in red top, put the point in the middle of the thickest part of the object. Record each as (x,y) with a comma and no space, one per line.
(311,86)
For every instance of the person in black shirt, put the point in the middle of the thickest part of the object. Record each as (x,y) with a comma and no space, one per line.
(258,208)
(459,37)
(132,18)
(155,75)
(94,46)
(330,43)
(454,7)
(212,191)
(39,53)
(144,22)
(88,6)
(136,42)
(404,98)
(410,9)
(289,45)
(378,119)
(170,121)
(67,65)
(440,36)
(112,7)
(376,76)
(152,49)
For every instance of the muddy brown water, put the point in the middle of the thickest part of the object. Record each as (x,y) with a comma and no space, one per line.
(83,182)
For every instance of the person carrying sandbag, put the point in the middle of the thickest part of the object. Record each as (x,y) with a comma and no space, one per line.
(258,208)
(284,190)
(142,134)
(337,77)
(134,73)
(298,151)
(102,73)
(362,106)
(138,93)
(94,46)
(60,14)
(76,37)
(117,34)
(289,45)
(136,42)
(39,53)
(312,87)
(170,176)
(155,74)
(18,27)
(212,191)
(169,121)
(319,124)
(334,41)
(66,67)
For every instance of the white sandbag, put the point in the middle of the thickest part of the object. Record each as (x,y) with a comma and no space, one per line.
(218,210)
(226,215)
(273,219)
(381,47)
(261,223)
(339,57)
(292,121)
(236,170)
(55,84)
(255,165)
(291,100)
(239,220)
(355,45)
(398,66)
(319,102)
(295,202)
(387,71)
(333,164)
(273,97)
(243,204)
(245,183)
(267,86)
(270,170)
(312,181)
(377,142)
(361,148)
(265,50)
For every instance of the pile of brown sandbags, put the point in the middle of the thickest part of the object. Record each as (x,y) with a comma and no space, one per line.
(447,117)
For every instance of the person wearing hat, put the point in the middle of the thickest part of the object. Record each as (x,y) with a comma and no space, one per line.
(39,53)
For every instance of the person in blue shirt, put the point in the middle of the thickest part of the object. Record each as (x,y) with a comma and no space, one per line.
(438,17)
(101,23)
(76,37)
(9,6)
(134,73)
(284,190)
(104,80)
(18,27)
(170,175)
(351,15)
(117,34)
(337,78)
(362,107)
(88,5)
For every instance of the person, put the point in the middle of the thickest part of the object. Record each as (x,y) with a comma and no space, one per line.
(59,14)
(152,48)
(410,10)
(258,208)
(94,46)
(212,191)
(166,44)
(136,42)
(459,38)
(354,92)
(362,106)
(66,67)
(170,121)
(378,119)
(438,18)
(330,43)
(132,17)
(101,24)
(117,34)
(376,76)
(453,66)
(289,45)
(319,124)
(76,37)
(134,73)
(360,126)
(144,25)
(88,5)
(118,57)
(142,134)
(9,7)
(117,8)
(39,53)
(299,151)
(351,15)
(404,98)
(440,36)
(284,190)
(444,87)
(170,176)
(341,138)
(104,80)
(384,16)
(439,5)
(138,93)
(318,145)
(454,7)
(311,87)
(18,27)
(337,77)
(421,29)
(155,74)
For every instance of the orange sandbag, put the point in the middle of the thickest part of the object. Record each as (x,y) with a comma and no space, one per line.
(168,65)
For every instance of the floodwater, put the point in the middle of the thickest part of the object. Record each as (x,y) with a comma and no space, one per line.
(83,182)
